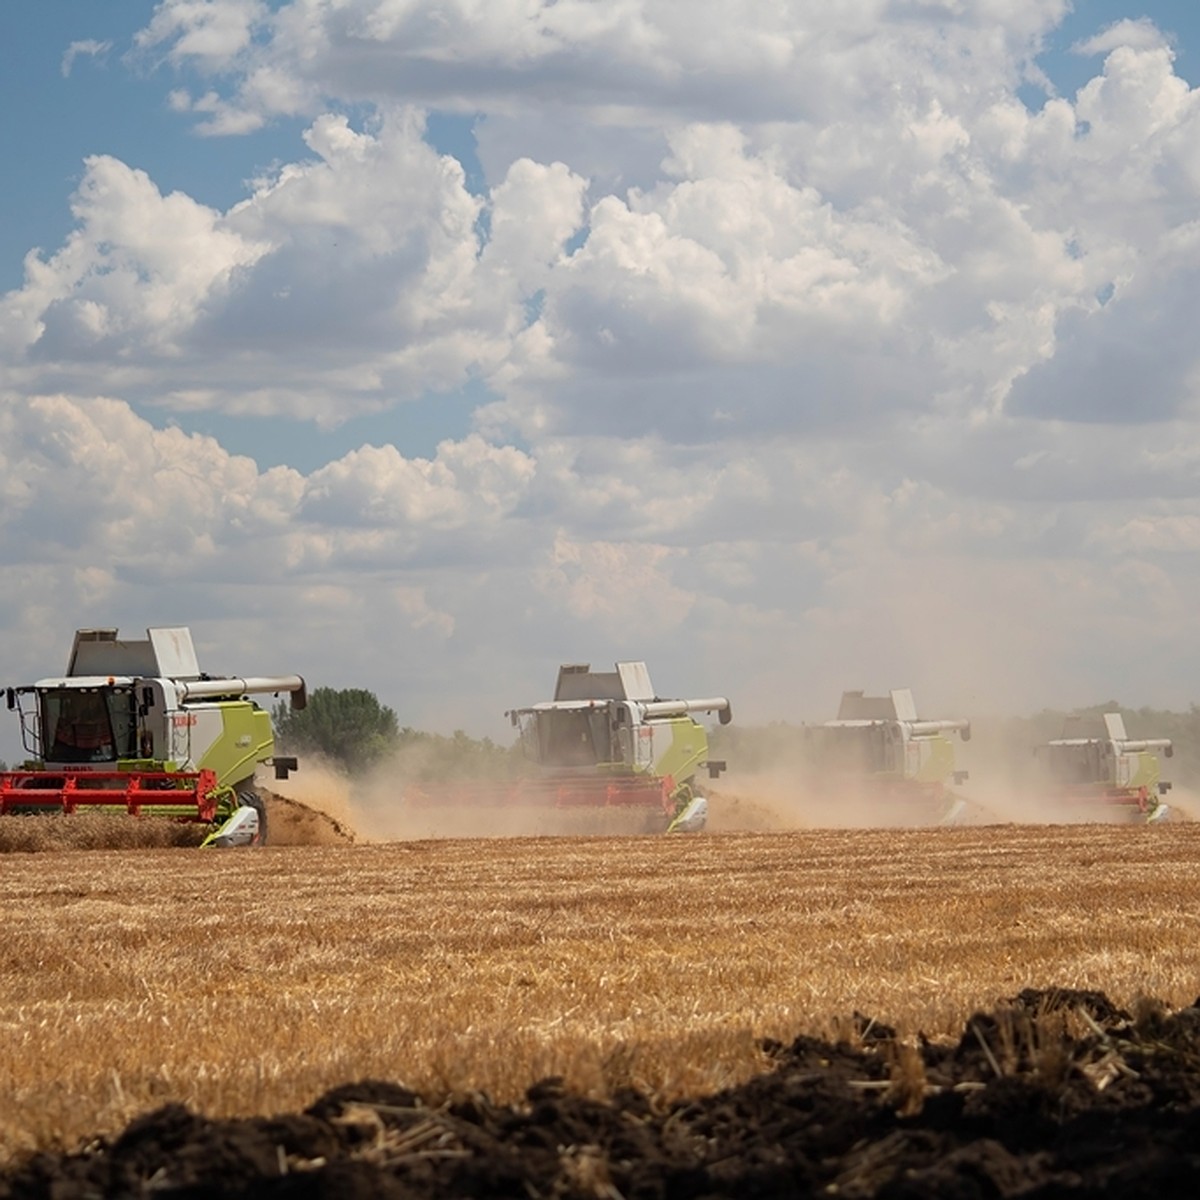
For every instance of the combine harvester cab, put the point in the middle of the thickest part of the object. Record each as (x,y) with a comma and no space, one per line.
(606,744)
(136,727)
(1101,774)
(900,767)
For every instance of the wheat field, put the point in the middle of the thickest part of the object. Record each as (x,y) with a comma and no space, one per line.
(250,981)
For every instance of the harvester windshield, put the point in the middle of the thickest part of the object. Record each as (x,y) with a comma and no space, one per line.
(856,749)
(86,725)
(568,737)
(1083,762)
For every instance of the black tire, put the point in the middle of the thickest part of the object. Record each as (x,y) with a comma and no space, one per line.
(251,799)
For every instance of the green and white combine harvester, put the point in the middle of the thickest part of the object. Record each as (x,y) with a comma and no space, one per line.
(608,744)
(880,752)
(136,727)
(1098,772)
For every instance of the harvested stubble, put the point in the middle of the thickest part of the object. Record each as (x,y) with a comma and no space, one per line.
(93,831)
(291,824)
(249,982)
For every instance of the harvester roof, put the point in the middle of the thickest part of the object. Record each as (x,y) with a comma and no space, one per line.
(897,705)
(1087,731)
(166,653)
(1080,728)
(83,682)
(858,711)
(581,688)
(630,681)
(99,659)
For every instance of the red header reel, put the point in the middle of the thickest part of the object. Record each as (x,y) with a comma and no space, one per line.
(164,793)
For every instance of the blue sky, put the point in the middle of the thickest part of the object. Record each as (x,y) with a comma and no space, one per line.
(506,335)
(114,102)
(1177,17)
(104,105)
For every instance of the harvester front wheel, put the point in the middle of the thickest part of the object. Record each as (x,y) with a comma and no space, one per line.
(251,799)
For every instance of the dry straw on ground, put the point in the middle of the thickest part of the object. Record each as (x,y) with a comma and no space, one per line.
(94,831)
(249,981)
(291,824)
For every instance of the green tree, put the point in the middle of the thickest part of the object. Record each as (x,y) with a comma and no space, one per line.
(348,726)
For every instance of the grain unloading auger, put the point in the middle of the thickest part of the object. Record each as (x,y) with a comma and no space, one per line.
(880,752)
(606,742)
(1102,774)
(136,727)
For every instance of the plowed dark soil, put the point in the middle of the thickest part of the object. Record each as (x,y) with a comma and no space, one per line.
(1052,1094)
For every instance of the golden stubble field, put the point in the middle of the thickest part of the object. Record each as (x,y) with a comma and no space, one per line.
(249,982)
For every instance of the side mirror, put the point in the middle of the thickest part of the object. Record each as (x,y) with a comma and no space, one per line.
(10,695)
(284,766)
(147,698)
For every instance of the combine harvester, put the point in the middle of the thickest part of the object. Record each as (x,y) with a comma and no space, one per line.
(136,727)
(898,766)
(606,744)
(1103,774)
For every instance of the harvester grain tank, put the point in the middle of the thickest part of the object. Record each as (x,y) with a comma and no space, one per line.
(137,727)
(880,750)
(1103,773)
(607,742)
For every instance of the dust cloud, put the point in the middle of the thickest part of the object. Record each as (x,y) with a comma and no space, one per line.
(945,636)
(785,787)
(779,788)
(394,802)
(975,640)
(971,643)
